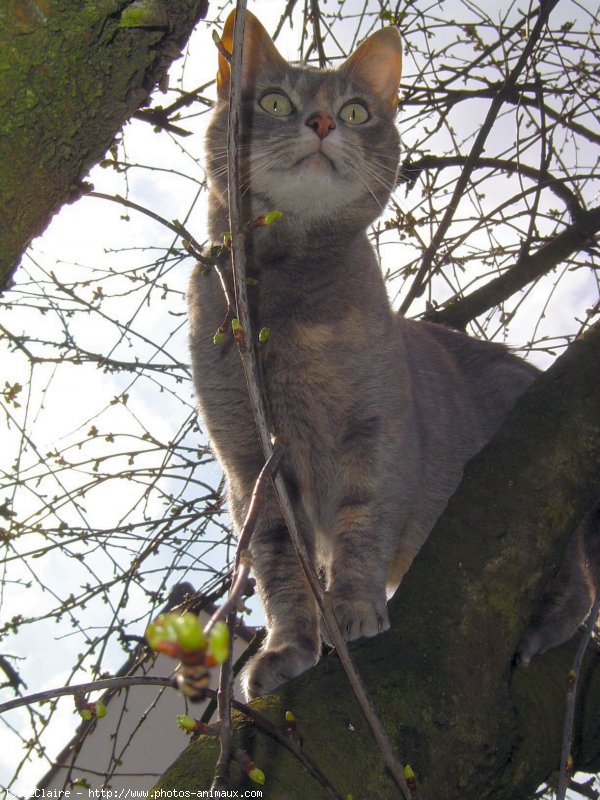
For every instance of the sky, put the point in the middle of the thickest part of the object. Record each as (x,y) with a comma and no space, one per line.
(103,421)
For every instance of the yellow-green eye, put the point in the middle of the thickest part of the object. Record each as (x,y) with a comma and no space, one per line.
(276,103)
(354,114)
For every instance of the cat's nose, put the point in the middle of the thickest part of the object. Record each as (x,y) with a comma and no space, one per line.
(321,123)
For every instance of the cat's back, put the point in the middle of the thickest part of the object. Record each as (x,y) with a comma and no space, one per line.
(485,377)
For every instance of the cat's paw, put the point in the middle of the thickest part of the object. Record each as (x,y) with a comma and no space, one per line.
(274,666)
(357,618)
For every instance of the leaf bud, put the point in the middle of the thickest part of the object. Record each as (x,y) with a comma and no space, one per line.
(257,775)
(189,632)
(186,723)
(219,642)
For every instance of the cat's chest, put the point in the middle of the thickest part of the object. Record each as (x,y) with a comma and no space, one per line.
(307,366)
(314,373)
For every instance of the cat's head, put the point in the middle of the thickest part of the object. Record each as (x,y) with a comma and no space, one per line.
(319,145)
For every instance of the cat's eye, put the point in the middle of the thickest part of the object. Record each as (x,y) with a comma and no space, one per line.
(277,104)
(354,114)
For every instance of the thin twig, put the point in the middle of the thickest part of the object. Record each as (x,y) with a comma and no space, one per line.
(410,170)
(315,18)
(286,741)
(224,697)
(250,365)
(192,246)
(238,586)
(221,775)
(243,561)
(566,758)
(266,475)
(92,686)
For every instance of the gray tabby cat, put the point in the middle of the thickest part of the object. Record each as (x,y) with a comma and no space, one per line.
(379,413)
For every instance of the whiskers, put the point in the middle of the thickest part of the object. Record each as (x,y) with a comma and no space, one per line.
(255,160)
(369,175)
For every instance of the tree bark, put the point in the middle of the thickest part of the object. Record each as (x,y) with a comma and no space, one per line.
(98,62)
(441,679)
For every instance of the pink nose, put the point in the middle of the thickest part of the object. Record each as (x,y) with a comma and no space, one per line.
(321,123)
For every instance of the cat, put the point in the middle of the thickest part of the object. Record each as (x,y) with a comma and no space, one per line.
(379,413)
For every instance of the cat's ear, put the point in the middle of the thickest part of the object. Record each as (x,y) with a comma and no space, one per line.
(378,64)
(259,51)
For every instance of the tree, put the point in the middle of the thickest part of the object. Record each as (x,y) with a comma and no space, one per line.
(509,225)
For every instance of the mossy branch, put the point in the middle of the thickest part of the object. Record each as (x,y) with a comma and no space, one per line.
(98,73)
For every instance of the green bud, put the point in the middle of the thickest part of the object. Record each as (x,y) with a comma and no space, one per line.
(190,634)
(263,335)
(236,325)
(219,642)
(289,717)
(272,216)
(161,630)
(100,709)
(219,337)
(86,714)
(257,775)
(186,723)
(227,234)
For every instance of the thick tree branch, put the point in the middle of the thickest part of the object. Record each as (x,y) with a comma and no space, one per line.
(441,678)
(98,65)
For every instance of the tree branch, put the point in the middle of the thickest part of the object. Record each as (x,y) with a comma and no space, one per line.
(442,673)
(417,286)
(457,313)
(410,170)
(98,70)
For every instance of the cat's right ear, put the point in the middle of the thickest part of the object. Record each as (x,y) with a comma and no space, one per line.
(378,64)
(259,51)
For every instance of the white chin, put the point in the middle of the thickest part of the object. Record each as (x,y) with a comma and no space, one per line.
(313,189)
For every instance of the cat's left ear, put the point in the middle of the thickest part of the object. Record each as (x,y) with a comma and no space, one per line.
(378,64)
(259,52)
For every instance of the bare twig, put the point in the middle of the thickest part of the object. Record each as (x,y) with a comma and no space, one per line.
(289,743)
(224,696)
(192,246)
(242,568)
(410,170)
(566,758)
(92,686)
(243,561)
(221,775)
(315,18)
(250,365)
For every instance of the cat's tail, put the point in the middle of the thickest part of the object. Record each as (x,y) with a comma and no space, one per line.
(569,595)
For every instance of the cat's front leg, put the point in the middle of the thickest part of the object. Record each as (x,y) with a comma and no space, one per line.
(357,573)
(293,643)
